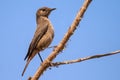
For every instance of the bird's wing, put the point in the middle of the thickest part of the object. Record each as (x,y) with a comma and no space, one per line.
(40,31)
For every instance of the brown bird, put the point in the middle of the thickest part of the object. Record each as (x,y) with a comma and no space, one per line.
(43,35)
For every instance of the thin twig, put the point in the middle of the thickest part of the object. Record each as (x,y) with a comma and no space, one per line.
(85,58)
(61,45)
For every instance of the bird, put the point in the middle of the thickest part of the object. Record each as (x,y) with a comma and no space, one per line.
(43,35)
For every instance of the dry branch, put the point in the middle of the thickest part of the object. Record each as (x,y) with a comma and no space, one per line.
(85,58)
(62,44)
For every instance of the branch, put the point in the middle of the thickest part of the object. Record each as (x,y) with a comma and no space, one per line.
(62,44)
(85,58)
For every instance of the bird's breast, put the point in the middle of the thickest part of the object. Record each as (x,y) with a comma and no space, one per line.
(47,38)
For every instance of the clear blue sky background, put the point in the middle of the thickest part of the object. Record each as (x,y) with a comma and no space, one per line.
(98,33)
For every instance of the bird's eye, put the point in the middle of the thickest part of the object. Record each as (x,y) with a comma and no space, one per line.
(43,10)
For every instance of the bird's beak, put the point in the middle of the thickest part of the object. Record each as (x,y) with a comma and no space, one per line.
(53,9)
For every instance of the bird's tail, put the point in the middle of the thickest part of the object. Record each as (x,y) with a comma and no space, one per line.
(28,61)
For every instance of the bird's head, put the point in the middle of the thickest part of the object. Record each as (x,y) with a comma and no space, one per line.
(44,11)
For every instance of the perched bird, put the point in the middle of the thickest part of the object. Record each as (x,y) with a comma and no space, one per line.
(43,35)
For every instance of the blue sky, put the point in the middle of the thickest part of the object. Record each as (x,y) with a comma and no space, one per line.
(97,33)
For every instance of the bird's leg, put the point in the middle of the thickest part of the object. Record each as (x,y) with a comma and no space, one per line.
(52,47)
(42,60)
(40,57)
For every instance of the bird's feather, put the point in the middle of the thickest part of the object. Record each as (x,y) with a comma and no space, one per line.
(40,31)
